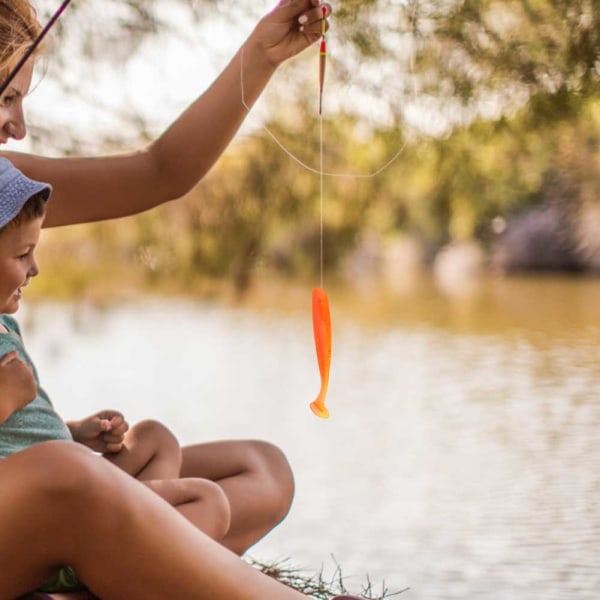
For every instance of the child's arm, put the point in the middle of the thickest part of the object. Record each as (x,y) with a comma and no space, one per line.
(17,384)
(102,432)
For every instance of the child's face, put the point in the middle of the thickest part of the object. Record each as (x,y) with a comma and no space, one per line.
(17,261)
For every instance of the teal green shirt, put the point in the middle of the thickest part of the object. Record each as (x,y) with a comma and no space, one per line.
(37,421)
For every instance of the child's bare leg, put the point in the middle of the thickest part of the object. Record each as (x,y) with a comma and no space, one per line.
(151,454)
(257,480)
(60,504)
(254,475)
(203,503)
(150,451)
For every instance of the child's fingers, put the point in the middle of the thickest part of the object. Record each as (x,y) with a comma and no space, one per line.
(112,438)
(114,447)
(118,423)
(105,425)
(120,429)
(110,415)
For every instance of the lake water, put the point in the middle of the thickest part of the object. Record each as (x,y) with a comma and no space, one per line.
(462,456)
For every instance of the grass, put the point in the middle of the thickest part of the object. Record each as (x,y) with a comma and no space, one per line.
(318,587)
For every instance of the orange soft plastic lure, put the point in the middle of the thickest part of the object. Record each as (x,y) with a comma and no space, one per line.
(322,330)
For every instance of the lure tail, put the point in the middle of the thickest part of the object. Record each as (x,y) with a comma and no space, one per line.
(322,331)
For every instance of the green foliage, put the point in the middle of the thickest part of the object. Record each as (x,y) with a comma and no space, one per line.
(541,47)
(526,72)
(258,212)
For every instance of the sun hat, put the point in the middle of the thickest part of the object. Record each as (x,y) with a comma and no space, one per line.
(15,190)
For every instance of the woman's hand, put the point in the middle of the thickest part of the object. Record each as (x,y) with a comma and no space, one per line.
(103,432)
(292,26)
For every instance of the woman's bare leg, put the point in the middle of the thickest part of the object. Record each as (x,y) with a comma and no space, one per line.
(150,451)
(60,504)
(257,480)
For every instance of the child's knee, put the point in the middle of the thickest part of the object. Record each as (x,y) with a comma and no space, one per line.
(155,429)
(159,435)
(272,466)
(213,497)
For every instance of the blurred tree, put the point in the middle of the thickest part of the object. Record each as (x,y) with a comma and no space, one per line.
(506,93)
(431,62)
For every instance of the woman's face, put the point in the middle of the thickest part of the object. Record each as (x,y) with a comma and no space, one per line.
(12,122)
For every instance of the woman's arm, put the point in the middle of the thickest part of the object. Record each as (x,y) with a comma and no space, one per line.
(92,189)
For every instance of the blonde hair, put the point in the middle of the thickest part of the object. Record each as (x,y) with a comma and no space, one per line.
(19,27)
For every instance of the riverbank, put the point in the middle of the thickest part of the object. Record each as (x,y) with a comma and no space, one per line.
(482,303)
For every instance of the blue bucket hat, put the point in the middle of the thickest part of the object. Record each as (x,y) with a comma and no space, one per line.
(15,190)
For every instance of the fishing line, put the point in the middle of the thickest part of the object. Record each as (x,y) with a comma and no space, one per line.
(322,65)
(317,171)
(320,304)
(321,170)
(321,188)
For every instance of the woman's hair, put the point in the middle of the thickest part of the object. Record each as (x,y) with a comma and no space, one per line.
(19,27)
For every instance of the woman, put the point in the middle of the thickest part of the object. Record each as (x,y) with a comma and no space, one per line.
(60,503)
(255,475)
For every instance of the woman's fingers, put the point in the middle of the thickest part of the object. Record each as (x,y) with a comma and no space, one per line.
(306,15)
(312,20)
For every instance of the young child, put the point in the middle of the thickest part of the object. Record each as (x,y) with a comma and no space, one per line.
(147,451)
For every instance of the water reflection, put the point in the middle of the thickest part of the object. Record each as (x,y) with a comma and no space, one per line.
(462,454)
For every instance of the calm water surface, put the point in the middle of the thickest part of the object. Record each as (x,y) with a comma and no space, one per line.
(462,457)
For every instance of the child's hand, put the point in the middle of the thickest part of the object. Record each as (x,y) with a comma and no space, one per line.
(17,384)
(102,432)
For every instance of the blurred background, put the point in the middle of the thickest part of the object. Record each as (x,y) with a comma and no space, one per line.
(462,454)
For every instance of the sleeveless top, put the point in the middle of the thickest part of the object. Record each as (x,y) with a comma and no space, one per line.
(37,421)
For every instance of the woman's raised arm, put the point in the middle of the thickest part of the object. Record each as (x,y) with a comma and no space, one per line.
(92,189)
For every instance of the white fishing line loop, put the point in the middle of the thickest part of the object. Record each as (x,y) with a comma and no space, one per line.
(320,171)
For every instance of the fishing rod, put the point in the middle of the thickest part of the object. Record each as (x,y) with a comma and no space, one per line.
(33,46)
